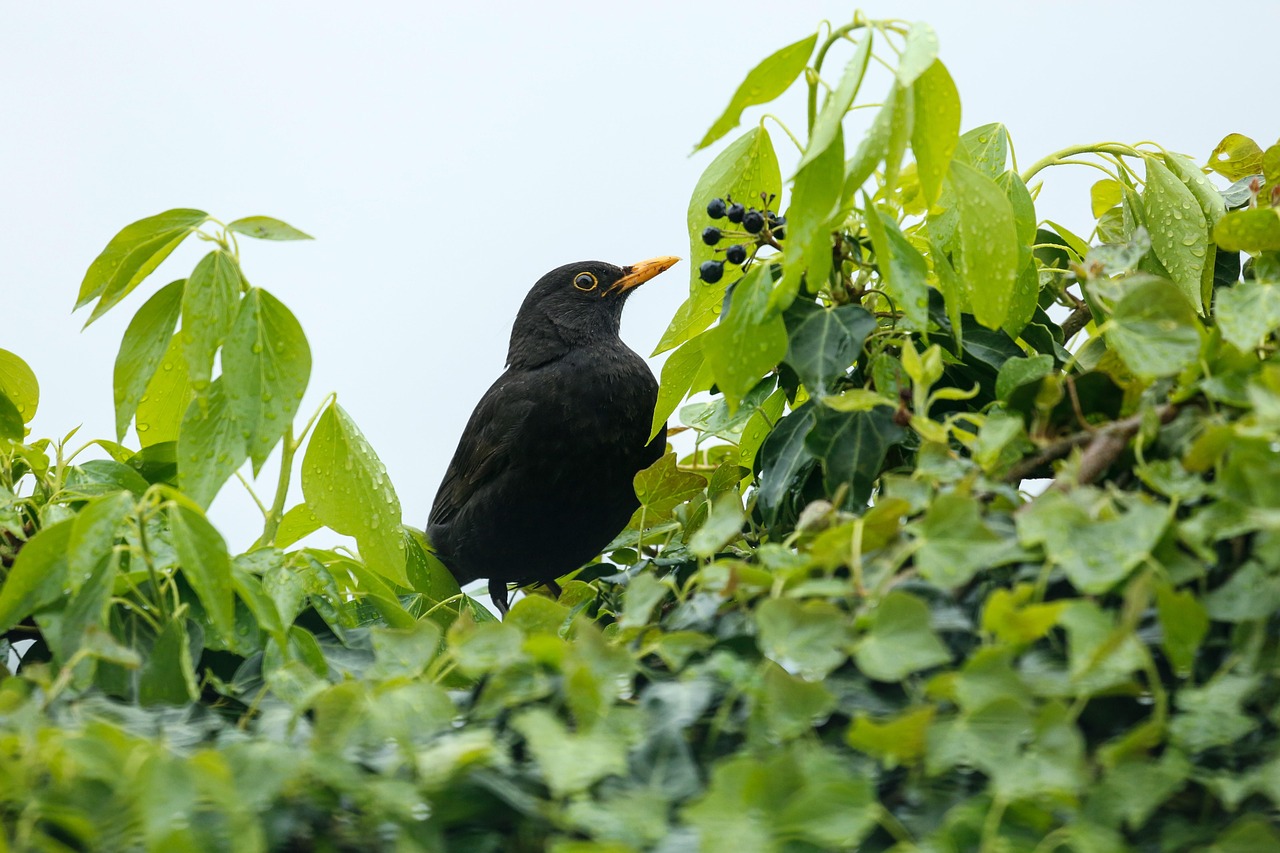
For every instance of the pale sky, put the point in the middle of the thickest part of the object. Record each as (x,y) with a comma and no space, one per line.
(446,155)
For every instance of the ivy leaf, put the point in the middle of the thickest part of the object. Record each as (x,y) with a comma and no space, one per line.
(662,487)
(744,170)
(1179,230)
(1104,195)
(96,528)
(784,459)
(1255,230)
(678,373)
(210,445)
(815,195)
(11,427)
(1236,157)
(570,761)
(955,542)
(808,639)
(826,343)
(765,82)
(267,228)
(1154,328)
(1247,313)
(208,312)
(143,347)
(1184,623)
(874,147)
(897,741)
(265,366)
(935,128)
(132,255)
(988,244)
(205,564)
(167,677)
(748,342)
(18,383)
(723,525)
(899,640)
(786,706)
(852,447)
(827,125)
(903,269)
(347,487)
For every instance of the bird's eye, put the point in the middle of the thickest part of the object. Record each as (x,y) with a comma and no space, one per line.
(585,282)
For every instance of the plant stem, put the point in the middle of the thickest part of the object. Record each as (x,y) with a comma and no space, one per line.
(288,447)
(1093,148)
(835,36)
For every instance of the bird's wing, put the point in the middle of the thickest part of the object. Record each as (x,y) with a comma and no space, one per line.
(482,454)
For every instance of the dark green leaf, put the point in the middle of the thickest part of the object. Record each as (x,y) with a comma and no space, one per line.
(1017,372)
(852,447)
(266,228)
(784,459)
(168,676)
(265,366)
(826,343)
(765,82)
(143,346)
(11,426)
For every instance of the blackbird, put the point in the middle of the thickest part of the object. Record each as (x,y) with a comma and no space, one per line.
(542,476)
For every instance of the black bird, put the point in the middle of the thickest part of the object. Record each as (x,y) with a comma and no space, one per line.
(542,477)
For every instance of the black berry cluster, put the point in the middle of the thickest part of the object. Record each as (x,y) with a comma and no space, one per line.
(758,227)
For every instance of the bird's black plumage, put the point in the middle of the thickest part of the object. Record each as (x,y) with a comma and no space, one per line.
(542,476)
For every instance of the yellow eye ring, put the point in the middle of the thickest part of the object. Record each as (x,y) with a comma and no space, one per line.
(585,281)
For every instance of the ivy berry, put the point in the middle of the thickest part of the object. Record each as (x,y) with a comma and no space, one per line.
(715,208)
(711,235)
(735,213)
(711,271)
(753,221)
(736,254)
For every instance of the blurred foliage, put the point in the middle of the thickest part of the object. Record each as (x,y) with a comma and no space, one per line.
(838,622)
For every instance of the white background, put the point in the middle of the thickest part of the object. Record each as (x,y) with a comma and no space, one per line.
(446,155)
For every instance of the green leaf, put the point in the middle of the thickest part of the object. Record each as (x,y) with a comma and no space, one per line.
(662,487)
(1210,715)
(826,343)
(809,639)
(426,573)
(142,349)
(205,564)
(1100,655)
(1104,195)
(1179,231)
(955,542)
(765,82)
(570,761)
(1184,623)
(1154,328)
(10,420)
(1211,202)
(266,228)
(296,523)
(210,445)
(899,640)
(347,487)
(1017,372)
(918,54)
(37,576)
(827,124)
(783,458)
(18,383)
(1255,230)
(744,170)
(935,128)
(1247,313)
(723,525)
(987,244)
(1095,546)
(168,675)
(265,366)
(94,533)
(132,255)
(894,114)
(852,447)
(896,741)
(642,594)
(748,342)
(164,402)
(208,313)
(678,373)
(787,707)
(815,195)
(988,148)
(1236,157)
(902,268)
(758,428)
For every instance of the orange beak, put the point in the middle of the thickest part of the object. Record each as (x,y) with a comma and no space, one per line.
(638,274)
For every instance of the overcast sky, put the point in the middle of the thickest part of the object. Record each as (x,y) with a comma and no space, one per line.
(446,155)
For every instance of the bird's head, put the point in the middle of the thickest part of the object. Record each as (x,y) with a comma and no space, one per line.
(575,305)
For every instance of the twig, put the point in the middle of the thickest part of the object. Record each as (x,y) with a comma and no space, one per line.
(1076,321)
(1104,445)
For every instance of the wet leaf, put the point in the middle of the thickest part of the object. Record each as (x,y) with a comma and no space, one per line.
(899,640)
(827,343)
(132,255)
(141,351)
(266,228)
(765,82)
